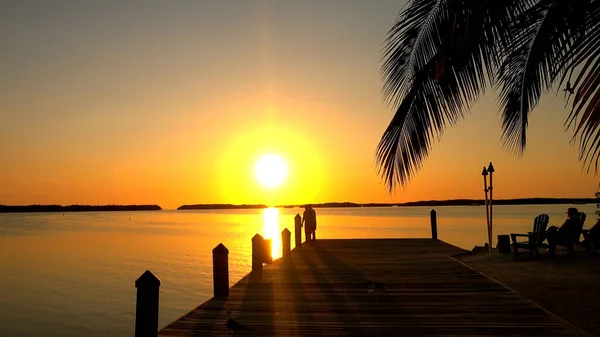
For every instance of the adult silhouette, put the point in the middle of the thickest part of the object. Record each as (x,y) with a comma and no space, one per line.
(309,220)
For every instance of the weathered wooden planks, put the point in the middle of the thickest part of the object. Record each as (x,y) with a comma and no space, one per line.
(320,290)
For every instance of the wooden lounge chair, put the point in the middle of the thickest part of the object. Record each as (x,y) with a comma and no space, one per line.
(534,239)
(591,244)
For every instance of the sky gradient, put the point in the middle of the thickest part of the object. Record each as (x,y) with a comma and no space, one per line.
(172,102)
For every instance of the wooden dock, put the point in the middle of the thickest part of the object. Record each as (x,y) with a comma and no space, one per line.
(320,290)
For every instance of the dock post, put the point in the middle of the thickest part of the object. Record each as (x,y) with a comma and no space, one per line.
(221,271)
(267,253)
(433,224)
(298,230)
(286,237)
(146,308)
(258,250)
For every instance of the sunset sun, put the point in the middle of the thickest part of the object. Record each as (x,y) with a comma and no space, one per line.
(270,170)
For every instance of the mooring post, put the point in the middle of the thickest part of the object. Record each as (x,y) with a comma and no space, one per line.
(433,224)
(221,271)
(258,251)
(286,237)
(146,307)
(268,247)
(298,230)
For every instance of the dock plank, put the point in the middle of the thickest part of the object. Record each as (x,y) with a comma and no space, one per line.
(320,290)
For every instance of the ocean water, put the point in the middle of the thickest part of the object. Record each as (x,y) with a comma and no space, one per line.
(74,274)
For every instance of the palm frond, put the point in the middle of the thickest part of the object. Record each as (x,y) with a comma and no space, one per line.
(541,38)
(408,47)
(438,58)
(441,54)
(585,56)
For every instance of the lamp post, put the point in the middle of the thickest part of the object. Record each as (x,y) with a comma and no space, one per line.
(484,173)
(491,170)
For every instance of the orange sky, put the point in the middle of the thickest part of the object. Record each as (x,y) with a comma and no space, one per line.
(172,103)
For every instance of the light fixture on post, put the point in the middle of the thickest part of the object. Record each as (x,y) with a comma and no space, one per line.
(491,170)
(484,173)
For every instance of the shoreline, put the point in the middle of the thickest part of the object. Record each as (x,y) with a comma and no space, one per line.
(433,203)
(76,208)
(37,208)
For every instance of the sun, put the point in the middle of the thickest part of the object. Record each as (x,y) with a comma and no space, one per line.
(270,170)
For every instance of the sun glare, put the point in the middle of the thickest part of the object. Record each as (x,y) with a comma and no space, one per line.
(270,170)
(271,230)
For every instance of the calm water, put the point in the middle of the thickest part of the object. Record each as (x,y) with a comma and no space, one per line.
(73,274)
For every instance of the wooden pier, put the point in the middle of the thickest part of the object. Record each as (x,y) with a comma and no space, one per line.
(320,290)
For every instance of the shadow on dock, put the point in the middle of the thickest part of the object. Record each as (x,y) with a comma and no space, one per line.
(339,299)
(257,308)
(293,280)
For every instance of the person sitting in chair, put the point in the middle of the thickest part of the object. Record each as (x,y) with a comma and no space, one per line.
(592,237)
(561,235)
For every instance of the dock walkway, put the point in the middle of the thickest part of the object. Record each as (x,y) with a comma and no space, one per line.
(320,290)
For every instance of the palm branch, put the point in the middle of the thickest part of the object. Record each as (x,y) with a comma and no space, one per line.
(441,55)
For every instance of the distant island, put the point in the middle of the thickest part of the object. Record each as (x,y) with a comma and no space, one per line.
(77,208)
(220,206)
(451,202)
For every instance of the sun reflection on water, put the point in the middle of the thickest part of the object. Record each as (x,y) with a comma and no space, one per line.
(271,230)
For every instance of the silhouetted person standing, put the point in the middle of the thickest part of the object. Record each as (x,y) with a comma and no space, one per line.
(309,220)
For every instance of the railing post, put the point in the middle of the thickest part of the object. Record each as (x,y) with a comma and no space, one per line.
(146,308)
(433,224)
(221,271)
(258,244)
(286,237)
(298,230)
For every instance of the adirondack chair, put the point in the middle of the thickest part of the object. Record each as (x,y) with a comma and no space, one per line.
(534,239)
(591,242)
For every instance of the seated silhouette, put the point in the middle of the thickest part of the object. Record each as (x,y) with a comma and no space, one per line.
(591,237)
(567,234)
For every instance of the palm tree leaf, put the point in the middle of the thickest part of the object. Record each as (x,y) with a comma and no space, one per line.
(438,59)
(586,104)
(441,54)
(408,45)
(541,37)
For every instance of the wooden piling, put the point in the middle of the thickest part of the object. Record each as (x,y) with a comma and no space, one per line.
(220,271)
(297,230)
(258,249)
(286,237)
(146,309)
(267,251)
(433,215)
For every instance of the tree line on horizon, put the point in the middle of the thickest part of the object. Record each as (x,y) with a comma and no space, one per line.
(449,202)
(76,208)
